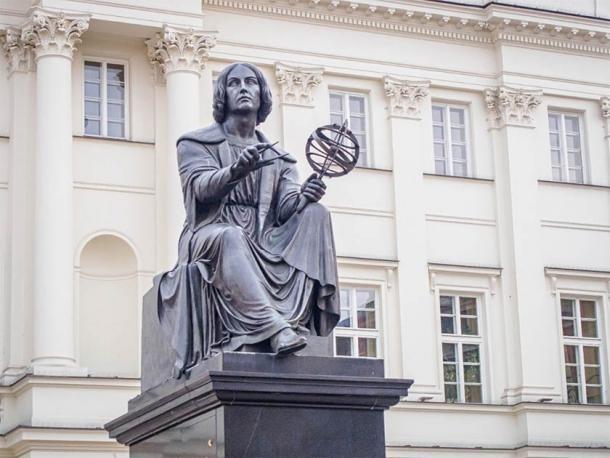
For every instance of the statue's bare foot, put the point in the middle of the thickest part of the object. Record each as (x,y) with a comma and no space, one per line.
(287,341)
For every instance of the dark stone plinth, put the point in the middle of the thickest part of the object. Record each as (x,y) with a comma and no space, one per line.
(259,405)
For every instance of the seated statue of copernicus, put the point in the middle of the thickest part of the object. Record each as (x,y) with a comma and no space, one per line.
(251,268)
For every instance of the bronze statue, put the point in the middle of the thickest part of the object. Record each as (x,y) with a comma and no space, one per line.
(256,259)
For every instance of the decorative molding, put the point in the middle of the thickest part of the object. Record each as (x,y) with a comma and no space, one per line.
(512,107)
(178,49)
(604,103)
(54,33)
(484,25)
(405,97)
(297,83)
(19,55)
(460,220)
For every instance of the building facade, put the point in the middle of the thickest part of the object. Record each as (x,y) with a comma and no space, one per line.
(473,240)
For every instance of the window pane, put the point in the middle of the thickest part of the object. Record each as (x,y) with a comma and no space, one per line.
(449,352)
(343,346)
(357,124)
(437,114)
(92,127)
(469,326)
(367,347)
(365,299)
(571,124)
(587,309)
(575,175)
(438,133)
(573,395)
(592,375)
(116,111)
(457,116)
(594,395)
(459,152)
(567,307)
(356,104)
(591,355)
(115,129)
(115,73)
(336,119)
(573,142)
(470,353)
(345,320)
(569,352)
(459,169)
(366,319)
(362,142)
(568,327)
(451,393)
(554,122)
(447,305)
(572,374)
(555,142)
(468,306)
(458,135)
(92,90)
(336,103)
(447,325)
(450,373)
(472,393)
(472,374)
(440,167)
(556,157)
(574,159)
(344,298)
(93,71)
(115,92)
(588,328)
(557,175)
(92,108)
(439,150)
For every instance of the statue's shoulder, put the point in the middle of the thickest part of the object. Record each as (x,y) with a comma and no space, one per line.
(212,134)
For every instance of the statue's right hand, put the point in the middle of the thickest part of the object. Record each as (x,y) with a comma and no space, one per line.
(246,162)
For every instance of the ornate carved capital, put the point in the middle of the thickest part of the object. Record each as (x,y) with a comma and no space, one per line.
(19,55)
(180,50)
(508,106)
(405,97)
(604,103)
(51,33)
(297,83)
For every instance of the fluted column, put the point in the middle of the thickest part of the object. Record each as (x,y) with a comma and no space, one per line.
(408,102)
(20,58)
(178,55)
(54,37)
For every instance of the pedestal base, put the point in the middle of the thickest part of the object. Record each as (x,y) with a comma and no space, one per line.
(259,405)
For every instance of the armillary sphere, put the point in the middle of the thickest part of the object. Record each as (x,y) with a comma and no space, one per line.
(332,151)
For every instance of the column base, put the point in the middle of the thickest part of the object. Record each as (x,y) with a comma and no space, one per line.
(520,394)
(57,366)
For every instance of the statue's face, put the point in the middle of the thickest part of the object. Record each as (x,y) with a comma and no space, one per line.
(243,91)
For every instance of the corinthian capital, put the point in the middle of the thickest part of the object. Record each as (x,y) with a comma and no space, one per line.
(297,83)
(508,106)
(178,49)
(51,33)
(405,96)
(19,55)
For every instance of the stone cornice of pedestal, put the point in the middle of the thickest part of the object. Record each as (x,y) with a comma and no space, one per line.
(178,49)
(511,106)
(52,33)
(297,84)
(405,97)
(19,55)
(604,103)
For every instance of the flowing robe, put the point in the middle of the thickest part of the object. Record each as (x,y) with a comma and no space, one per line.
(248,265)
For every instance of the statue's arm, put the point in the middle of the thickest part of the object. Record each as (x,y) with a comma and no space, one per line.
(289,193)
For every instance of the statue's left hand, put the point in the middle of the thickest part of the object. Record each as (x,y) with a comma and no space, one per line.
(313,189)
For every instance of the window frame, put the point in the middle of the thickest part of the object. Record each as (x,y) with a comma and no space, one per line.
(447,106)
(580,342)
(104,61)
(368,163)
(352,332)
(564,167)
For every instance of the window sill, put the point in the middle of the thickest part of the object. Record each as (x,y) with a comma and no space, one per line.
(368,167)
(112,139)
(580,185)
(457,177)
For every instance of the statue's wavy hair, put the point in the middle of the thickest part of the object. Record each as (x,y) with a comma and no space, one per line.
(219,104)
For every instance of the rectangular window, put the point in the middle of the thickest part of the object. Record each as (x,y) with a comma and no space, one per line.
(357,333)
(566,147)
(105,99)
(581,349)
(461,342)
(352,107)
(450,137)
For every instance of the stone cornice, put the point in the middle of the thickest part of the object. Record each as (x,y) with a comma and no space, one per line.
(180,49)
(405,97)
(297,83)
(19,55)
(491,24)
(510,106)
(53,33)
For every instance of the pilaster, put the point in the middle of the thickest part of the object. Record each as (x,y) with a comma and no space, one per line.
(604,104)
(408,105)
(178,55)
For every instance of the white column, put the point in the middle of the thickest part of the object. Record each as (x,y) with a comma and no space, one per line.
(531,345)
(54,37)
(419,351)
(180,56)
(298,116)
(20,58)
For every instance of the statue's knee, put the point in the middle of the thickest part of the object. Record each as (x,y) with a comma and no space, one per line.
(232,235)
(316,210)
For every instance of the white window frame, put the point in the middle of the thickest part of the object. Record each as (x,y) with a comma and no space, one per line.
(448,141)
(461,339)
(579,341)
(565,169)
(367,123)
(353,332)
(104,97)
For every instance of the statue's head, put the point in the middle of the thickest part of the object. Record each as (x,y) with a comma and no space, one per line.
(228,96)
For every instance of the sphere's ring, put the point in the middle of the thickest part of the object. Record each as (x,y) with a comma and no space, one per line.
(332,151)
